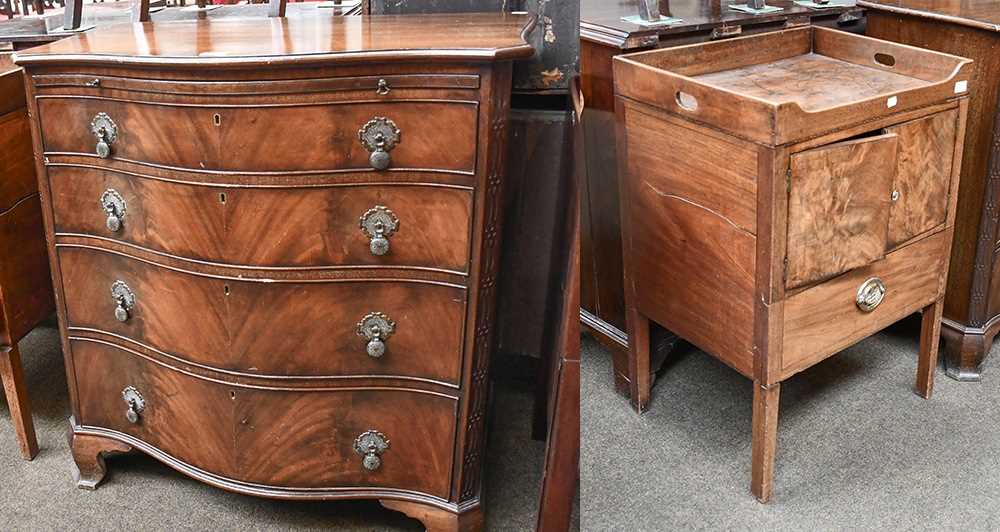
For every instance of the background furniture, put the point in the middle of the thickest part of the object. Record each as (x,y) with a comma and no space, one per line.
(25,284)
(163,252)
(604,35)
(816,215)
(969,29)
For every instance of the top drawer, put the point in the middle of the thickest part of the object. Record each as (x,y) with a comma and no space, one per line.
(293,135)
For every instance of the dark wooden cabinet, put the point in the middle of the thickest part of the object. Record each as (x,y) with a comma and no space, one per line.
(603,36)
(276,249)
(819,214)
(25,289)
(970,29)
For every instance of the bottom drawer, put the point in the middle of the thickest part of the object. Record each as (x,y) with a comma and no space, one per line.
(280,438)
(825,319)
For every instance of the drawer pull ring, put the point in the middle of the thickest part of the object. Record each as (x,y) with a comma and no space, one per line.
(96,82)
(136,404)
(114,206)
(370,445)
(383,88)
(106,131)
(379,136)
(124,300)
(870,294)
(376,328)
(379,223)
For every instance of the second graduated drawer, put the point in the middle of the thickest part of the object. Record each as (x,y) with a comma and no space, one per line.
(294,329)
(296,137)
(423,226)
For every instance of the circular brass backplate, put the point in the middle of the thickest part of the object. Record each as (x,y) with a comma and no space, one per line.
(870,294)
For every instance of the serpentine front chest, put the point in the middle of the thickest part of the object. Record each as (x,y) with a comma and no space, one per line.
(275,248)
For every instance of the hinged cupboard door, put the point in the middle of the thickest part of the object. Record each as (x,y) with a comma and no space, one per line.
(838,207)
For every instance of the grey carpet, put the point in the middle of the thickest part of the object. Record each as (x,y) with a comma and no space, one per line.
(140,493)
(857,449)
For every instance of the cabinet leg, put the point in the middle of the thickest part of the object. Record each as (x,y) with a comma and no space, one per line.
(965,352)
(17,401)
(765,439)
(88,456)
(930,335)
(436,519)
(638,359)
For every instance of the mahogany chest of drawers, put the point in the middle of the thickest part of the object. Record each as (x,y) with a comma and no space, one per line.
(785,196)
(275,248)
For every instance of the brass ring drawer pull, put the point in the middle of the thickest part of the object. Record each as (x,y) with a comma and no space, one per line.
(124,300)
(379,223)
(136,404)
(106,131)
(870,294)
(370,445)
(376,327)
(379,136)
(383,87)
(114,206)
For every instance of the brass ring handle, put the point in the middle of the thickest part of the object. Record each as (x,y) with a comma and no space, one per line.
(379,223)
(376,327)
(114,206)
(370,445)
(136,404)
(383,87)
(106,132)
(124,300)
(870,294)
(379,136)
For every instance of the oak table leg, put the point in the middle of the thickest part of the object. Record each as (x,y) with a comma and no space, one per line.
(930,334)
(88,455)
(17,400)
(438,520)
(765,439)
(638,359)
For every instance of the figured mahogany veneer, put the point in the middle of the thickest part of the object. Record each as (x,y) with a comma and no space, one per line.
(216,252)
(819,213)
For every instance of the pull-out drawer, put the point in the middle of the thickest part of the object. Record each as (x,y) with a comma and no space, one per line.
(272,437)
(317,137)
(851,202)
(424,226)
(295,329)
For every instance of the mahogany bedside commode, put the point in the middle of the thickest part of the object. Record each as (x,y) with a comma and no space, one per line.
(275,248)
(785,196)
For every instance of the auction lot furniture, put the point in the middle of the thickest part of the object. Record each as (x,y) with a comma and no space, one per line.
(25,283)
(275,247)
(785,196)
(603,36)
(969,29)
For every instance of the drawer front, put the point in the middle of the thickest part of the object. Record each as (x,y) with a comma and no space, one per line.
(838,207)
(826,318)
(439,136)
(270,328)
(923,175)
(296,439)
(304,226)
(17,164)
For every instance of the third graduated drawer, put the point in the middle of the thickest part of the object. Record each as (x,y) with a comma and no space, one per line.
(329,328)
(305,225)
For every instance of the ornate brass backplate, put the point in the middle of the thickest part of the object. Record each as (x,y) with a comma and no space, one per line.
(379,136)
(124,300)
(136,403)
(106,131)
(377,328)
(379,223)
(370,445)
(114,206)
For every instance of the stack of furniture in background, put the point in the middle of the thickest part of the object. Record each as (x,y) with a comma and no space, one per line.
(366,374)
(604,35)
(972,307)
(25,284)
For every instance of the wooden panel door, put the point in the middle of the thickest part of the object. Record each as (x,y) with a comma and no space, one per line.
(923,175)
(838,207)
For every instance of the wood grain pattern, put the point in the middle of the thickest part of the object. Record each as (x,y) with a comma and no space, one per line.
(764,439)
(12,375)
(838,207)
(434,136)
(16,160)
(228,324)
(823,320)
(290,226)
(923,176)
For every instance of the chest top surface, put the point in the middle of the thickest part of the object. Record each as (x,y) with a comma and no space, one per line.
(982,14)
(260,42)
